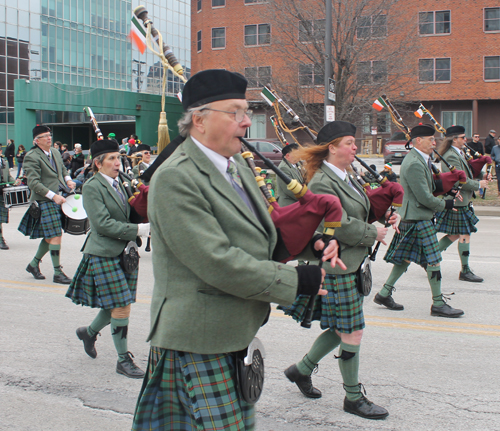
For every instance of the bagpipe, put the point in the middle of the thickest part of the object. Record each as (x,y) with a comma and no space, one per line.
(475,160)
(444,181)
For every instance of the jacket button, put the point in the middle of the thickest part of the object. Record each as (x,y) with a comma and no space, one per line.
(278,281)
(279,266)
(266,293)
(183,154)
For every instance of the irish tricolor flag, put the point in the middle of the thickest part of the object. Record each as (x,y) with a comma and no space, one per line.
(379,104)
(138,34)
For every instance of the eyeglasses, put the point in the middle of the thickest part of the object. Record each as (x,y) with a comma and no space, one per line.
(146,152)
(44,136)
(239,114)
(462,137)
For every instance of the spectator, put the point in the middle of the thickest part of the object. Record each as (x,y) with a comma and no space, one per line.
(368,177)
(387,172)
(476,145)
(66,156)
(495,156)
(270,188)
(133,143)
(57,146)
(21,152)
(10,151)
(77,161)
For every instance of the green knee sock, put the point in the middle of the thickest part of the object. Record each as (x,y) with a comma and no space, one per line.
(324,344)
(54,255)
(119,329)
(463,252)
(434,277)
(101,320)
(396,273)
(444,243)
(349,368)
(43,248)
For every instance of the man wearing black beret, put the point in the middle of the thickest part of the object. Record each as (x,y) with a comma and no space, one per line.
(417,240)
(289,166)
(214,278)
(460,223)
(46,174)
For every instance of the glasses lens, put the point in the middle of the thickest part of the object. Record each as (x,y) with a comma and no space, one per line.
(240,115)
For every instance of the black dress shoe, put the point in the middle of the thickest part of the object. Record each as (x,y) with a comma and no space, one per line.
(35,270)
(365,408)
(445,311)
(387,301)
(470,276)
(3,244)
(128,368)
(304,383)
(61,278)
(88,341)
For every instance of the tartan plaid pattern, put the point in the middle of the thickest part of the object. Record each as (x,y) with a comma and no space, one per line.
(341,308)
(47,226)
(100,282)
(459,222)
(190,391)
(417,242)
(4,213)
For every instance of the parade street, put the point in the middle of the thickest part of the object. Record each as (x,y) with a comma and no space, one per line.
(430,373)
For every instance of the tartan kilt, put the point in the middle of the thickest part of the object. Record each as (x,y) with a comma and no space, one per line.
(100,282)
(417,242)
(459,222)
(4,213)
(47,226)
(341,308)
(191,391)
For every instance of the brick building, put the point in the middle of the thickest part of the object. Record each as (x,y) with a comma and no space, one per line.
(450,55)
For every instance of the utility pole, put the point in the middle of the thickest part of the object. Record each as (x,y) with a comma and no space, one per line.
(329,109)
(139,73)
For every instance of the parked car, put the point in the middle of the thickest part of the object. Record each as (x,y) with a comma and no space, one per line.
(269,148)
(394,149)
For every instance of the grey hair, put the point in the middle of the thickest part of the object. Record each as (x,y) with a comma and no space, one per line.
(100,158)
(186,121)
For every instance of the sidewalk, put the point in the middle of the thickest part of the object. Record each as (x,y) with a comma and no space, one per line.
(487,211)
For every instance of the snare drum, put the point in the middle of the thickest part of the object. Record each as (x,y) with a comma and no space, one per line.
(74,217)
(16,196)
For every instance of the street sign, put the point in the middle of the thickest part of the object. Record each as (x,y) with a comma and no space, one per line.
(330,113)
(374,130)
(331,90)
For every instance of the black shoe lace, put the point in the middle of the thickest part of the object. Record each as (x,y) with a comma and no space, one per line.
(360,388)
(445,297)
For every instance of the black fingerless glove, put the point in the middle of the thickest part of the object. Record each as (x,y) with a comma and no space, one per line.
(449,204)
(309,279)
(317,253)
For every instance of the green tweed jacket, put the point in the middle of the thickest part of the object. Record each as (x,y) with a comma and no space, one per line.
(5,177)
(137,171)
(110,228)
(285,196)
(41,176)
(416,178)
(453,158)
(356,235)
(214,278)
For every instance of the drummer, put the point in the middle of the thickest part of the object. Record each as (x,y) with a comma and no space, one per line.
(5,177)
(46,174)
(144,152)
(101,280)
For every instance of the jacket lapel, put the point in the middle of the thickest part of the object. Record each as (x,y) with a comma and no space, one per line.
(113,193)
(361,198)
(46,160)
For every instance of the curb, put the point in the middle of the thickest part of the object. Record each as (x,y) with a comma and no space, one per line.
(487,211)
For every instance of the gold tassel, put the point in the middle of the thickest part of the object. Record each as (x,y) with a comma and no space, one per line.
(163,135)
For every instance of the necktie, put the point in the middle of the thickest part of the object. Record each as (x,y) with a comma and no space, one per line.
(122,198)
(51,160)
(429,164)
(231,170)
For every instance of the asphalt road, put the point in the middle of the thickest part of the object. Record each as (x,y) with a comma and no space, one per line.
(430,373)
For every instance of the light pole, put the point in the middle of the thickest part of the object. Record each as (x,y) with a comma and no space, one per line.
(138,72)
(328,54)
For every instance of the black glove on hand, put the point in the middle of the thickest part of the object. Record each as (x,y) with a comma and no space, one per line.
(309,279)
(449,204)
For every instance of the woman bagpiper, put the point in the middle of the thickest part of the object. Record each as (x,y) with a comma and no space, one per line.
(145,160)
(100,280)
(341,311)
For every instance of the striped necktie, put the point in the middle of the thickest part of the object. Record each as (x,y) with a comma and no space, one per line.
(231,170)
(117,189)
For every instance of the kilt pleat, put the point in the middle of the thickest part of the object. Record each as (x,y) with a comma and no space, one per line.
(100,282)
(340,309)
(47,226)
(4,213)
(459,222)
(416,242)
(191,392)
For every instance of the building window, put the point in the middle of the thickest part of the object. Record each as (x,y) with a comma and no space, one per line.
(383,122)
(437,22)
(218,38)
(198,41)
(257,34)
(492,19)
(258,128)
(255,1)
(434,70)
(218,3)
(310,31)
(372,72)
(371,27)
(311,74)
(258,77)
(198,5)
(464,118)
(492,68)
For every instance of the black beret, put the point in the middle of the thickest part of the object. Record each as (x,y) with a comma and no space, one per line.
(38,130)
(334,130)
(104,146)
(212,85)
(289,148)
(454,130)
(142,147)
(422,130)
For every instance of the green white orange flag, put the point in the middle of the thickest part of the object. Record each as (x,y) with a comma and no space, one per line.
(419,113)
(138,34)
(268,96)
(379,104)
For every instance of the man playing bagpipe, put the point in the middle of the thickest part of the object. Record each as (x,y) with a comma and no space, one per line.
(289,167)
(417,241)
(459,223)
(5,177)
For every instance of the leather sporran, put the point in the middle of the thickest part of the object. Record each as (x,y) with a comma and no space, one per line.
(129,257)
(250,371)
(364,277)
(34,210)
